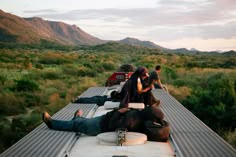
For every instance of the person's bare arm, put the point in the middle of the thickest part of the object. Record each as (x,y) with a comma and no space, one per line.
(123,110)
(140,87)
(159,83)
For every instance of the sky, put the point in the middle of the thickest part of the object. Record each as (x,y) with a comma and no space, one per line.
(205,25)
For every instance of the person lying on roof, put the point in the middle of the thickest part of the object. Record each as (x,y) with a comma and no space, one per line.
(99,99)
(131,119)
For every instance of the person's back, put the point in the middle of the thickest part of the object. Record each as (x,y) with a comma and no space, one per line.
(130,119)
(154,78)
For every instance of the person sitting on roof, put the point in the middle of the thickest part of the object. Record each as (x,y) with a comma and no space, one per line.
(131,119)
(135,89)
(154,79)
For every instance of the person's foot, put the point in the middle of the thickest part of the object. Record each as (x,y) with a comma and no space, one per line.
(47,119)
(156,103)
(78,113)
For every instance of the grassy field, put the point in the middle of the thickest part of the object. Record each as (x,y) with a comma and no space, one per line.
(33,80)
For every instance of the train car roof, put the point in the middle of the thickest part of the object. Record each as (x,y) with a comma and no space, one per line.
(189,135)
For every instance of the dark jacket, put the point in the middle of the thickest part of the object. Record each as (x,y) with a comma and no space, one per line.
(132,120)
(129,92)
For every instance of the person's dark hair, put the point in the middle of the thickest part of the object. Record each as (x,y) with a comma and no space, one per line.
(158,67)
(140,71)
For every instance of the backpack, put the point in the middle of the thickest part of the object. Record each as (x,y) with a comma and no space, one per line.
(156,131)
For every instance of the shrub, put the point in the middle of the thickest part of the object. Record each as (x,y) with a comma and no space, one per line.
(215,101)
(51,75)
(11,104)
(86,72)
(31,99)
(54,58)
(24,124)
(70,69)
(185,82)
(108,66)
(6,135)
(230,137)
(170,73)
(3,79)
(26,85)
(39,66)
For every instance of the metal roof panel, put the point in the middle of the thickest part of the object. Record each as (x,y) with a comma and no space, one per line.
(190,134)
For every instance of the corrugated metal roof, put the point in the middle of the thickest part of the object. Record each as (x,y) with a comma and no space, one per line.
(43,142)
(93,91)
(191,135)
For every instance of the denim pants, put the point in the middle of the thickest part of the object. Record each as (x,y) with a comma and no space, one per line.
(88,126)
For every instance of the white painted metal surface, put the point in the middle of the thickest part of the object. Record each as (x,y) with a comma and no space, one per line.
(89,146)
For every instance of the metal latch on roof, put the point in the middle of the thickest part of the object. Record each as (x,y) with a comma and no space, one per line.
(67,154)
(121,136)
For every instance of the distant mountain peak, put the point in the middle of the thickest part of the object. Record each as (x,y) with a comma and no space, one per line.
(220,51)
(193,49)
(137,42)
(34,29)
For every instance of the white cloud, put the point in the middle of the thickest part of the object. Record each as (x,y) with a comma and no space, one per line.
(166,21)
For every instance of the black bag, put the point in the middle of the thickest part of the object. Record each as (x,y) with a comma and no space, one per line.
(156,131)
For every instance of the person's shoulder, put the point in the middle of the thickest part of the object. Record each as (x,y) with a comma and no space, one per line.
(152,73)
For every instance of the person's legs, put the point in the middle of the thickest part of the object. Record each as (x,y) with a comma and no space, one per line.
(99,100)
(90,126)
(63,125)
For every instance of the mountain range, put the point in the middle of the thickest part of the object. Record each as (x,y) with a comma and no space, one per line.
(14,29)
(33,30)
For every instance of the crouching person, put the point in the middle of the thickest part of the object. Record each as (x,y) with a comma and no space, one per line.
(131,119)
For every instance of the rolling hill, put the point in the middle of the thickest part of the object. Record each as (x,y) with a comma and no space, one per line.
(33,30)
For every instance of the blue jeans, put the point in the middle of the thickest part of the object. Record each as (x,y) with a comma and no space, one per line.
(88,126)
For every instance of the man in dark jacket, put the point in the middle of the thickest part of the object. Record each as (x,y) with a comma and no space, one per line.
(132,120)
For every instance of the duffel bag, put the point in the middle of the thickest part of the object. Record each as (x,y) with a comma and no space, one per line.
(157,131)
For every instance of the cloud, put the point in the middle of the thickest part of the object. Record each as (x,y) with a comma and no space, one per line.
(167,20)
(167,12)
(44,11)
